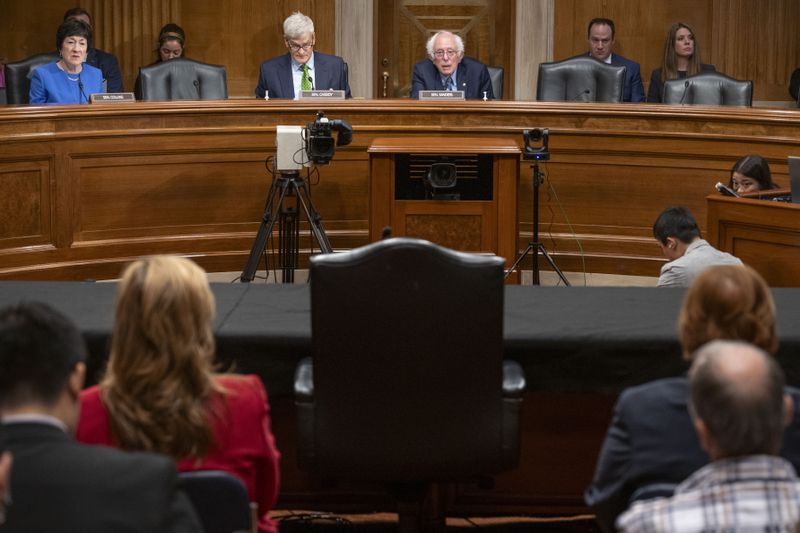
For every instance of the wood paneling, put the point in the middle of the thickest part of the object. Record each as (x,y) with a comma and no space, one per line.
(189,178)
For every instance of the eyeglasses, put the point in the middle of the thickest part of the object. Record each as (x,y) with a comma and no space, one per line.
(445,53)
(297,47)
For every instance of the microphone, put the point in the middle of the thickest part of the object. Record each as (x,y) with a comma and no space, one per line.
(386,232)
(579,97)
(80,88)
(311,81)
(725,190)
(197,87)
(685,90)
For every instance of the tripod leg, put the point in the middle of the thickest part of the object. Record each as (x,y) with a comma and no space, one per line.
(546,255)
(314,218)
(264,230)
(519,259)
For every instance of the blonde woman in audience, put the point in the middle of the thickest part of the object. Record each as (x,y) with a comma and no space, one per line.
(651,439)
(160,393)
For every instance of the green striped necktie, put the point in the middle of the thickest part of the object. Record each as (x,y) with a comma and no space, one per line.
(305,81)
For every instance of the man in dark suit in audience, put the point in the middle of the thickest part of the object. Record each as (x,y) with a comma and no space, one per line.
(601,45)
(106,62)
(447,69)
(58,484)
(302,68)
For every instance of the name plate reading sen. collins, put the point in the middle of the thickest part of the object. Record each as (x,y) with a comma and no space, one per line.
(316,94)
(111,98)
(441,95)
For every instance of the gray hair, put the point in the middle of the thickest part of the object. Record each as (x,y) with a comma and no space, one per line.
(744,417)
(432,40)
(296,25)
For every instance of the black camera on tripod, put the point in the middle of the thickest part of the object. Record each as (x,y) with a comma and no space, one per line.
(536,153)
(319,138)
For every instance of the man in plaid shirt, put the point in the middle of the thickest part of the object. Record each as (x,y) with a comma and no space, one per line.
(739,408)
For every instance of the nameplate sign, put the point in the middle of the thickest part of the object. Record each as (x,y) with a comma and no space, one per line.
(111,98)
(441,95)
(317,94)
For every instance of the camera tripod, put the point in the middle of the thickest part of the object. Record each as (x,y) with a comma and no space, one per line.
(286,184)
(535,246)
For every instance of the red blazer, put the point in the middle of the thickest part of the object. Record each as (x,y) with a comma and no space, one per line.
(244,447)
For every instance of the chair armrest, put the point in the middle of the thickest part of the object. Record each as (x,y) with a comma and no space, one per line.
(304,381)
(513,379)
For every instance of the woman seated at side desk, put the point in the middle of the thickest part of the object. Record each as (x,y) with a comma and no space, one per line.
(751,174)
(681,59)
(70,80)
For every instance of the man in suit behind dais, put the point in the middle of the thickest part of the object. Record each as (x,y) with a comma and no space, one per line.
(302,68)
(447,69)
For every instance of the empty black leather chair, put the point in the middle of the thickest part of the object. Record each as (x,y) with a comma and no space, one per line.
(496,74)
(18,81)
(709,88)
(220,500)
(408,385)
(580,79)
(182,79)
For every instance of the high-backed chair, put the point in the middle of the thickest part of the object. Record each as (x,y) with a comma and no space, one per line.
(709,88)
(407,384)
(183,79)
(18,81)
(496,74)
(220,500)
(580,79)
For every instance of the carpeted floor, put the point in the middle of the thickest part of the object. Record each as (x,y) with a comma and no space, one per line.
(302,522)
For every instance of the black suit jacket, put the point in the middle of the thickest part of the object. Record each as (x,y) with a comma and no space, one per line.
(472,77)
(651,439)
(58,484)
(275,76)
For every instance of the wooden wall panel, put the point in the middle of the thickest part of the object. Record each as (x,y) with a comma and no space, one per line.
(758,41)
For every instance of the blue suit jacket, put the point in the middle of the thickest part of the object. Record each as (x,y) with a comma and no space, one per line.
(472,77)
(276,76)
(651,439)
(633,90)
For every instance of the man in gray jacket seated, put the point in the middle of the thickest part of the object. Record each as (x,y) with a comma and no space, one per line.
(678,235)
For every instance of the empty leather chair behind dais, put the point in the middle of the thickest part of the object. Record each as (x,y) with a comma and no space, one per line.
(580,79)
(709,88)
(18,76)
(183,79)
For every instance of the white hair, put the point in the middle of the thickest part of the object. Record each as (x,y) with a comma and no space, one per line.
(432,40)
(297,25)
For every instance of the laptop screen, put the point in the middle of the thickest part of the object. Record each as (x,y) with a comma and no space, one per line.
(794,178)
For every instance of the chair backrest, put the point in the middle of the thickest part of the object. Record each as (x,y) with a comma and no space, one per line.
(496,74)
(580,79)
(183,79)
(220,500)
(18,81)
(407,343)
(709,88)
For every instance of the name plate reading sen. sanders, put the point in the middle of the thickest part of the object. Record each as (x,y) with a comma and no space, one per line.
(111,98)
(441,95)
(317,94)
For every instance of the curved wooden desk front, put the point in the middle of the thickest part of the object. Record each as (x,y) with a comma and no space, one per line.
(86,188)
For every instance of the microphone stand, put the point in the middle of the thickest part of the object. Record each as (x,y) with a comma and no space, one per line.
(535,246)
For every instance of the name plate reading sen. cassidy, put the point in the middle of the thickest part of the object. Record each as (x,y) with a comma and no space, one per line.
(441,95)
(317,94)
(111,98)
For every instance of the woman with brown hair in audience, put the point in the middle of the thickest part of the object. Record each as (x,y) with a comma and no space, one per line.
(651,439)
(160,393)
(681,59)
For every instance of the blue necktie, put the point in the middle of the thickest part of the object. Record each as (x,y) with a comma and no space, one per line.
(448,83)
